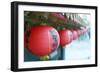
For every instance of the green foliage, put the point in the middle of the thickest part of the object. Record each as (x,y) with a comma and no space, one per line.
(38,18)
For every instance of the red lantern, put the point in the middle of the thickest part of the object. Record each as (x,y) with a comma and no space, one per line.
(42,40)
(71,36)
(79,32)
(75,34)
(65,37)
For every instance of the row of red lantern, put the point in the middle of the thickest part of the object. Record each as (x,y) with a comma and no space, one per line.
(44,39)
(67,36)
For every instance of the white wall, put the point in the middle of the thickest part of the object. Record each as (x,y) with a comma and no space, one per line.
(5,35)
